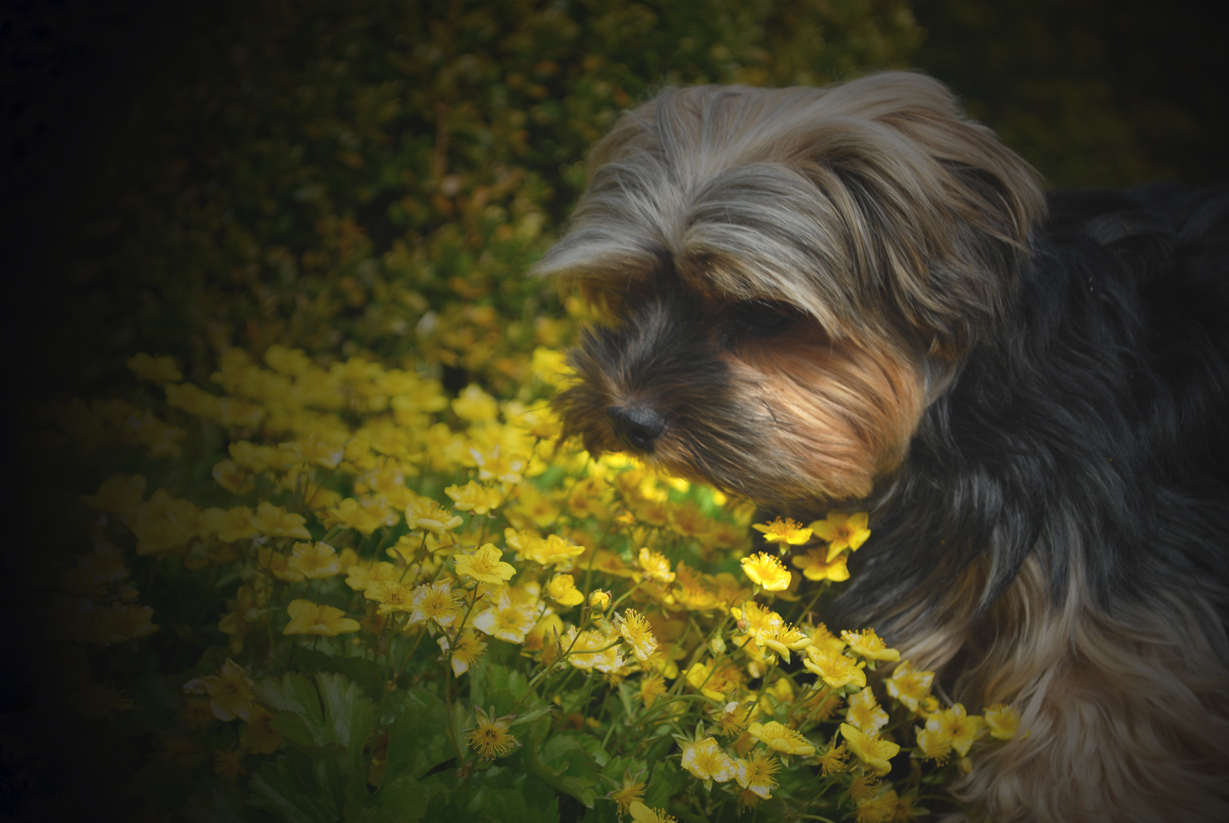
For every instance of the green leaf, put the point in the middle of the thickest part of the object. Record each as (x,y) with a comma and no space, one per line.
(667,780)
(497,685)
(347,712)
(295,695)
(365,673)
(302,789)
(333,710)
(564,762)
(519,798)
(403,800)
(418,740)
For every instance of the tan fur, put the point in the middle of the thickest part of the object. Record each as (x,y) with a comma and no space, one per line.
(1125,716)
(845,414)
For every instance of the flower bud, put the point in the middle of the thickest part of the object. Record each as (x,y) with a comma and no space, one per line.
(599,600)
(717,644)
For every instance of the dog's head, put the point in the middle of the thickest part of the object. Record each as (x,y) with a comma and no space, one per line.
(788,276)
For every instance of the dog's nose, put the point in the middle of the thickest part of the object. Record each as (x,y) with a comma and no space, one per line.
(637,427)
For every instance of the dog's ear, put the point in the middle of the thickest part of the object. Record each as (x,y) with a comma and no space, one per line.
(936,211)
(875,206)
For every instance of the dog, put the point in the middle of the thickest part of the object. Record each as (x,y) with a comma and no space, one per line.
(856,298)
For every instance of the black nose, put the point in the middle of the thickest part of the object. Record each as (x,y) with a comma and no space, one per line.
(637,427)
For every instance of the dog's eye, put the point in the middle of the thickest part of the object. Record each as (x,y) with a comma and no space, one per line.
(763,318)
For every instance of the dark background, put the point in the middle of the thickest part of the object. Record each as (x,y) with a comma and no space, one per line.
(1094,93)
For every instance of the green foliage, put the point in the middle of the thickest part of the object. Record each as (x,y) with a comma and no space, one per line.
(362,186)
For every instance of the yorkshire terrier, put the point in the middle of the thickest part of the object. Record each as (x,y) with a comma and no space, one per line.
(856,298)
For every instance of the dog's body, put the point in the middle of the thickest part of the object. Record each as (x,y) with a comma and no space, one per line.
(856,298)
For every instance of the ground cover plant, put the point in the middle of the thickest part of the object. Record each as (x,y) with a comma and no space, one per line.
(324,555)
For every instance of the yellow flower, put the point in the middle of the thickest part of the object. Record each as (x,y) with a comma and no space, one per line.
(359,577)
(495,465)
(835,669)
(230,692)
(321,450)
(786,532)
(637,632)
(865,713)
(610,564)
(507,619)
(651,687)
(484,565)
(755,774)
(934,743)
(161,438)
(163,522)
(643,814)
(307,617)
(878,809)
(959,727)
(469,648)
(599,600)
(706,761)
(629,792)
(155,369)
(391,595)
(869,645)
(474,497)
(1002,721)
(766,571)
(250,456)
(491,738)
(314,561)
(428,515)
(232,477)
(713,683)
(531,508)
(832,761)
(655,566)
(277,522)
(781,637)
(554,550)
(732,718)
(364,516)
(435,601)
(541,638)
(815,565)
(562,588)
(593,649)
(696,598)
(781,738)
(909,685)
(257,735)
(871,750)
(231,525)
(475,405)
(277,564)
(823,639)
(842,531)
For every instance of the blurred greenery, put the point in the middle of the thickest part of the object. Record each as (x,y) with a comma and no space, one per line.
(166,165)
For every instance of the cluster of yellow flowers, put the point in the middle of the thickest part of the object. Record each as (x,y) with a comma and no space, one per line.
(368,511)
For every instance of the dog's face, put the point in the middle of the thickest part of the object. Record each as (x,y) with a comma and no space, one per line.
(786,278)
